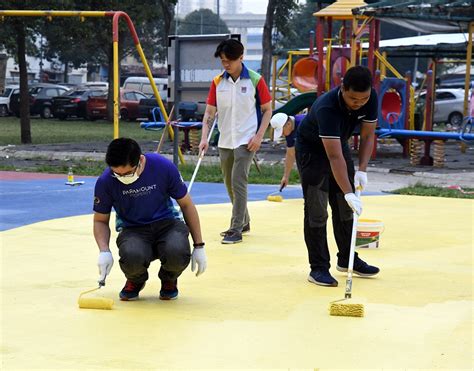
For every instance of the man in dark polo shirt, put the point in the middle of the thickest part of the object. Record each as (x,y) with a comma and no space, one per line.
(327,172)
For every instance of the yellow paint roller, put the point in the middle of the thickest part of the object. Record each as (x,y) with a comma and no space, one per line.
(274,197)
(94,302)
(345,307)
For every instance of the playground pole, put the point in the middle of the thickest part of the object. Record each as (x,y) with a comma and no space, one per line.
(115,18)
(467,81)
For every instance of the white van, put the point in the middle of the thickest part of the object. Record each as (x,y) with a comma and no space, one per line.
(143,84)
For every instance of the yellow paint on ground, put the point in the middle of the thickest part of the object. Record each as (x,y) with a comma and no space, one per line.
(253,308)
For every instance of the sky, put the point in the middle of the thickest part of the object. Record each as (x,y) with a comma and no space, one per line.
(254,6)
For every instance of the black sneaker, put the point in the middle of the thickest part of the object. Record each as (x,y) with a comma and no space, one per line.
(322,277)
(232,237)
(245,229)
(361,268)
(169,290)
(130,291)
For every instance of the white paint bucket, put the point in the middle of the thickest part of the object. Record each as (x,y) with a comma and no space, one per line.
(368,233)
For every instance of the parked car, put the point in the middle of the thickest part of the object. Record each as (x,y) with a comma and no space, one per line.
(73,103)
(448,106)
(96,107)
(97,84)
(41,99)
(5,99)
(142,84)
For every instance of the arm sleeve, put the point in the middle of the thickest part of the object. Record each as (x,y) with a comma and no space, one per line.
(263,93)
(102,200)
(176,187)
(329,123)
(211,97)
(372,108)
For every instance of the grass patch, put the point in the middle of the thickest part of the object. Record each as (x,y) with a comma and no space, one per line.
(420,189)
(69,131)
(207,173)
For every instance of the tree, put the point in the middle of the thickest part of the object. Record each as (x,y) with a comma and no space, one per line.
(277,17)
(202,22)
(18,38)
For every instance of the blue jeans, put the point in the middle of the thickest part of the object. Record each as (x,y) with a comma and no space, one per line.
(166,240)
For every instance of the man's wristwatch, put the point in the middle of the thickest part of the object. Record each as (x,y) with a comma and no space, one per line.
(199,245)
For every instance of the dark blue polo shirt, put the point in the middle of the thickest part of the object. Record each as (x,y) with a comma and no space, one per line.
(291,139)
(330,118)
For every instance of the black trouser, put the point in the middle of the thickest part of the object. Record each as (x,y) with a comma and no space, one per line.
(319,187)
(166,240)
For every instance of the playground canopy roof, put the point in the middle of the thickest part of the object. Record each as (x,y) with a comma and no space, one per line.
(341,9)
(452,45)
(435,16)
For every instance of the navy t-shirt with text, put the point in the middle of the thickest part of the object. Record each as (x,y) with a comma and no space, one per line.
(146,200)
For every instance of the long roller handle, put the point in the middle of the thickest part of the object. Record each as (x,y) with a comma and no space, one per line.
(191,182)
(348,293)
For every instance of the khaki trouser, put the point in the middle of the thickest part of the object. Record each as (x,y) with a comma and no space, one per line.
(235,166)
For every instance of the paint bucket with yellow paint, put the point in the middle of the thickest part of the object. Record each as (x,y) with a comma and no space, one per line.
(368,233)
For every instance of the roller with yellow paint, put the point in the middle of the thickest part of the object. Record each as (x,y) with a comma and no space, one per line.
(94,302)
(348,309)
(275,196)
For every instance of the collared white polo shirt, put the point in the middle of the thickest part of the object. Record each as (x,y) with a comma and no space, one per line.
(238,106)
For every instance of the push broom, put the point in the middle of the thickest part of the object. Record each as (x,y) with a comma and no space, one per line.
(349,308)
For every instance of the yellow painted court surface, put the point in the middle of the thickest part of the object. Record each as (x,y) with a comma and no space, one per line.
(253,307)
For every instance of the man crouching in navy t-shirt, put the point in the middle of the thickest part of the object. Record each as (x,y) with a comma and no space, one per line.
(139,187)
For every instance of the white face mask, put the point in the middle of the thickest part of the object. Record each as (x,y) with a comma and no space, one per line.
(129,179)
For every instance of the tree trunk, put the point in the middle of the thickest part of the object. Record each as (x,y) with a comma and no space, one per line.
(110,100)
(267,41)
(24,96)
(167,10)
(66,75)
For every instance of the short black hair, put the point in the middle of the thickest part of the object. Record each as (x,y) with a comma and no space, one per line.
(123,152)
(231,48)
(357,78)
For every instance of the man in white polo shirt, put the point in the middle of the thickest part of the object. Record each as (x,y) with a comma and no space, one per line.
(242,101)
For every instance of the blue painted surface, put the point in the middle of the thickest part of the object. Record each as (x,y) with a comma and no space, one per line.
(30,201)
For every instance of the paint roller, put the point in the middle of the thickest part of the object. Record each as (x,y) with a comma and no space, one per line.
(348,308)
(95,302)
(276,196)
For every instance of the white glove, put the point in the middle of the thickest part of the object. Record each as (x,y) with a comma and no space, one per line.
(105,263)
(354,202)
(198,257)
(360,180)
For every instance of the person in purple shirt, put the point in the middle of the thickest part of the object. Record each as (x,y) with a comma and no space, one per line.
(140,187)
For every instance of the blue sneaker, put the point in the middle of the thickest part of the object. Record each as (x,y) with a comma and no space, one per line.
(131,290)
(361,268)
(232,237)
(322,277)
(245,229)
(169,290)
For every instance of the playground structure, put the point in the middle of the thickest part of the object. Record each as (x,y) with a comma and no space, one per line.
(116,16)
(320,70)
